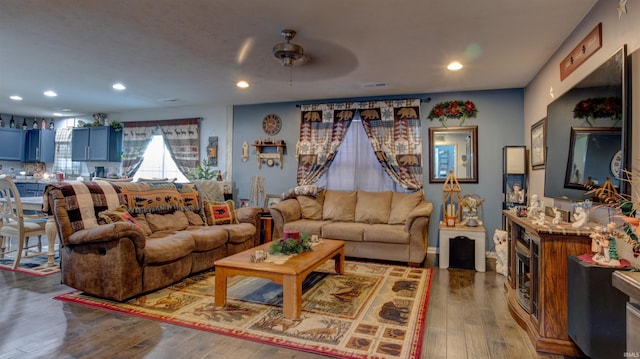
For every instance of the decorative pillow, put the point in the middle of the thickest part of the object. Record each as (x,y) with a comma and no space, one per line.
(291,193)
(373,207)
(151,197)
(311,207)
(402,204)
(194,218)
(339,206)
(175,221)
(120,214)
(220,212)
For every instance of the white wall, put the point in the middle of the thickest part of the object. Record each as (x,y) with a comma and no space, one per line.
(546,86)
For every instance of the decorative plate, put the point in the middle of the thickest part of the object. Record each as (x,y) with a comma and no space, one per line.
(616,164)
(271,124)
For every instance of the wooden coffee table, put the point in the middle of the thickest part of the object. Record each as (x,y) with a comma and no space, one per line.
(289,274)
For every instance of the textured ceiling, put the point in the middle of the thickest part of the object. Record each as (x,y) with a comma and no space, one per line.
(192,52)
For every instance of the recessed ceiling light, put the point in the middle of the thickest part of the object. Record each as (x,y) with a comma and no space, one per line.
(118,86)
(50,93)
(454,66)
(58,114)
(242,84)
(15,98)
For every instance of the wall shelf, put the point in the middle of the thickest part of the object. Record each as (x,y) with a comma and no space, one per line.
(269,153)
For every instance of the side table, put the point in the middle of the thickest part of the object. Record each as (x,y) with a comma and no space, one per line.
(266,223)
(477,234)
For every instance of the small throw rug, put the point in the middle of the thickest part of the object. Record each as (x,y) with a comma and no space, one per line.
(35,265)
(372,311)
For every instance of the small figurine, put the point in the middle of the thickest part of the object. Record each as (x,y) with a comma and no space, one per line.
(580,217)
(603,246)
(516,195)
(540,220)
(557,219)
(534,207)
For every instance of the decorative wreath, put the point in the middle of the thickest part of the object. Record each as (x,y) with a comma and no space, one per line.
(453,109)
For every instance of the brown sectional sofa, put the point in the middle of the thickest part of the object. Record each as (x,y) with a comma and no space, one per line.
(376,225)
(119,240)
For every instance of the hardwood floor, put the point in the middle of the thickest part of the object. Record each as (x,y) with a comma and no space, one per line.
(467,318)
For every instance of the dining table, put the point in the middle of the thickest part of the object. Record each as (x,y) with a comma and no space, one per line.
(35,204)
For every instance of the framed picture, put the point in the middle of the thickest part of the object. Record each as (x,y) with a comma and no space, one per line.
(271,199)
(538,144)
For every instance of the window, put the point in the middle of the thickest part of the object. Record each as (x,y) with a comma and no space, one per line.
(356,166)
(158,163)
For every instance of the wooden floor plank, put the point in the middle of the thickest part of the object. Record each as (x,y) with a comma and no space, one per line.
(467,317)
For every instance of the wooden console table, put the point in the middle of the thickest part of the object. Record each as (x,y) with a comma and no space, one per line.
(537,279)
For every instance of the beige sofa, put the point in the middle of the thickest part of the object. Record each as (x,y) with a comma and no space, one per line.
(376,225)
(118,240)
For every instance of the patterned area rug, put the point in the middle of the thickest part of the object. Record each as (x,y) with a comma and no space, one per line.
(36,265)
(373,310)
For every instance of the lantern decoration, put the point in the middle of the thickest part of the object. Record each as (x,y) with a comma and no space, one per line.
(450,198)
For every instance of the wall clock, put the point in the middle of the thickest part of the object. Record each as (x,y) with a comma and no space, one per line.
(271,124)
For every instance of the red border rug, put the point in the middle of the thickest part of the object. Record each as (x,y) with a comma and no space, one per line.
(372,311)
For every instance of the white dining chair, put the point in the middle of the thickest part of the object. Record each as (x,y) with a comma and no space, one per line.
(17,224)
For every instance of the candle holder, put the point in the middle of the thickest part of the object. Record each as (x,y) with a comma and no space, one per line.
(450,198)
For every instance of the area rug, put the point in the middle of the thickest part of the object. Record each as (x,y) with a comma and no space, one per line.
(373,310)
(36,265)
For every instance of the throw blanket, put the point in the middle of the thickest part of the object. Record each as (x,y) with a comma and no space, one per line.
(84,200)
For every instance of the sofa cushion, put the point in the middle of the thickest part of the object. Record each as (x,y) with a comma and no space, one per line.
(339,206)
(208,238)
(194,218)
(220,212)
(168,248)
(143,223)
(373,207)
(175,221)
(307,226)
(386,233)
(350,231)
(240,233)
(311,207)
(402,204)
(119,214)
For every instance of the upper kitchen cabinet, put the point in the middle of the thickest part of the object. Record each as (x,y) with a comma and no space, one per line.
(97,143)
(12,140)
(39,146)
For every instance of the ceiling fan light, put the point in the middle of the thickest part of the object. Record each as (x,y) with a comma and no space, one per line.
(288,52)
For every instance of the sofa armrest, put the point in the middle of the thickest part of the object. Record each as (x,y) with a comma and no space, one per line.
(286,211)
(423,209)
(111,232)
(250,215)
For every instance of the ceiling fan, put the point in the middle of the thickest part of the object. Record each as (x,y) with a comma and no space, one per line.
(288,53)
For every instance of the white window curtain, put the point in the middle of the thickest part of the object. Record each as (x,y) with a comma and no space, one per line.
(356,167)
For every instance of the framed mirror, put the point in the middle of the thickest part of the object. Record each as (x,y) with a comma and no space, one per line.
(597,101)
(594,155)
(453,149)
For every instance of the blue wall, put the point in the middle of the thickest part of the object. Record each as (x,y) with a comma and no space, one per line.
(500,123)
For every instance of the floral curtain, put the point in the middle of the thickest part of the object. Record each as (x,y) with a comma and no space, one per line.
(393,127)
(182,138)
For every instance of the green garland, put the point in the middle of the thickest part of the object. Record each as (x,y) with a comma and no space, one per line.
(291,246)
